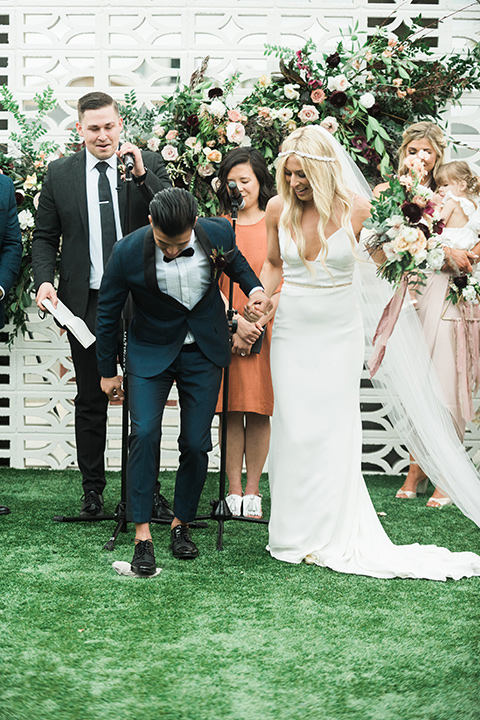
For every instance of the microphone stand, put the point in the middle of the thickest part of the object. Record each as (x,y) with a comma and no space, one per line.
(220,510)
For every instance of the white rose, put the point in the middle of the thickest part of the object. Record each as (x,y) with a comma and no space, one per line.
(158,130)
(153,144)
(330,124)
(436,258)
(389,251)
(395,221)
(25,218)
(420,256)
(392,233)
(339,82)
(290,92)
(285,114)
(169,153)
(235,132)
(424,191)
(367,100)
(469,294)
(217,108)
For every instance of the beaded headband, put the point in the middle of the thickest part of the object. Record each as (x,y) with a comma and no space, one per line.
(323,158)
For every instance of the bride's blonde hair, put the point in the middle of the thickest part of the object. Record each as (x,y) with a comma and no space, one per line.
(316,154)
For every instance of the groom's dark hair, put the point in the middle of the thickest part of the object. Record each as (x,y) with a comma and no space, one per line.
(173,211)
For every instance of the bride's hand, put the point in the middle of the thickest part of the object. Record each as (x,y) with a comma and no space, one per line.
(459,260)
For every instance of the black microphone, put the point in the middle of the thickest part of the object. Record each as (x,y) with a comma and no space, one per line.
(235,195)
(128,161)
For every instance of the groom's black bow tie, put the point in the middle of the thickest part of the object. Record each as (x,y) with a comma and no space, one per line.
(188,252)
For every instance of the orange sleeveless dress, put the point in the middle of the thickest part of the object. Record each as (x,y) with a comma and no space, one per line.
(250,382)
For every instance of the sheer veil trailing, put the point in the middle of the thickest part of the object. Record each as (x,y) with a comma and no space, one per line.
(406,376)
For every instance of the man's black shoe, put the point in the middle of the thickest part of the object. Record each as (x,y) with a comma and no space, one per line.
(4,510)
(143,562)
(161,508)
(181,544)
(92,504)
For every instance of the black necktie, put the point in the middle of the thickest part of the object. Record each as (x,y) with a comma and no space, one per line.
(107,216)
(188,252)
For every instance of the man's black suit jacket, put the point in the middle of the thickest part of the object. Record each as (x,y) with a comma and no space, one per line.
(63,215)
(10,239)
(160,323)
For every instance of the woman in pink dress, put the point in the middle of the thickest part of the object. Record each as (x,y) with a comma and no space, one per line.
(427,140)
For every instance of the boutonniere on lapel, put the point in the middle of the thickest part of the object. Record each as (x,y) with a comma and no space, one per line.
(220,259)
(122,170)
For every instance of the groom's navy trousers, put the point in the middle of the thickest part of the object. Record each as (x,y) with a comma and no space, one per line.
(157,356)
(198,382)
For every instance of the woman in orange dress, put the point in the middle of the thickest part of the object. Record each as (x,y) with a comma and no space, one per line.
(250,402)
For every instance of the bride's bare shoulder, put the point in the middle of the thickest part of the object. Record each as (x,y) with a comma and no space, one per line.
(275,205)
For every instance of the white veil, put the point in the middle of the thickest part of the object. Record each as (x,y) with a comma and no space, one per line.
(416,407)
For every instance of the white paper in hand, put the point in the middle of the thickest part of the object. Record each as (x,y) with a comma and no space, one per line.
(75,324)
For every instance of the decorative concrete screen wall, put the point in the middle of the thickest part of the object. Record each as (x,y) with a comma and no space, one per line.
(117,46)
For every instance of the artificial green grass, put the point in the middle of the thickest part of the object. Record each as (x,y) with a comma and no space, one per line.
(233,634)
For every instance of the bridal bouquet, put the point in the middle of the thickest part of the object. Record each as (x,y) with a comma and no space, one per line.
(405,225)
(464,289)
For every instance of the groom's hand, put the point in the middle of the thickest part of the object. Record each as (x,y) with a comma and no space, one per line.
(112,387)
(258,304)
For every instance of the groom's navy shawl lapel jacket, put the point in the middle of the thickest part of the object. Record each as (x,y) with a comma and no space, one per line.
(160,323)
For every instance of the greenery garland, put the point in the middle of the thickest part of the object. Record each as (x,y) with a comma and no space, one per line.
(365,93)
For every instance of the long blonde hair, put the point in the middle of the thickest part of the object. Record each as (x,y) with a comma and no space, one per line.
(326,180)
(420,131)
(459,171)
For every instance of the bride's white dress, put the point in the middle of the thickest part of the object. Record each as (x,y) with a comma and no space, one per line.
(320,504)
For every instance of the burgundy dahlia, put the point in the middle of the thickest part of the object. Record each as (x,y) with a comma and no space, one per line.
(375,109)
(461,281)
(215,92)
(338,99)
(333,60)
(412,212)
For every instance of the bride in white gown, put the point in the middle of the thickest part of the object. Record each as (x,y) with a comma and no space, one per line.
(321,511)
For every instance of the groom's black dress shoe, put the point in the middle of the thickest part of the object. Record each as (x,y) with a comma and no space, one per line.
(181,544)
(143,562)
(92,504)
(161,508)
(4,510)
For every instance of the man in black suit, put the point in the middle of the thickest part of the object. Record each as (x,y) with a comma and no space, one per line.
(178,333)
(83,204)
(10,251)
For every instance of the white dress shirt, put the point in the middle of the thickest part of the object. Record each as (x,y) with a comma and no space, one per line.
(93,207)
(186,278)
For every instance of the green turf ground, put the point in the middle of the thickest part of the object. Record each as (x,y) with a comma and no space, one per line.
(233,634)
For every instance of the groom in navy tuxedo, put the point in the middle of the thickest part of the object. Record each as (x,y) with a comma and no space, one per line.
(178,333)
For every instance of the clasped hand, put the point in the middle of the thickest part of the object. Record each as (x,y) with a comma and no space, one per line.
(258,304)
(112,387)
(245,336)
